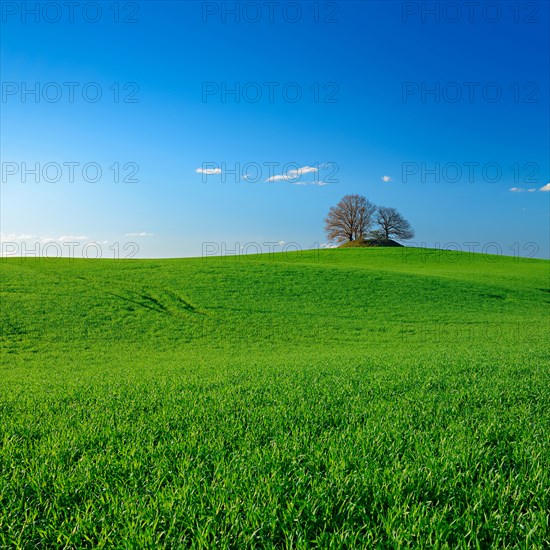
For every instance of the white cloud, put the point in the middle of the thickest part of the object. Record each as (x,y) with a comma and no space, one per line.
(11,237)
(72,238)
(293,174)
(278,178)
(530,190)
(303,170)
(386,179)
(63,238)
(328,245)
(208,171)
(24,237)
(142,234)
(281,243)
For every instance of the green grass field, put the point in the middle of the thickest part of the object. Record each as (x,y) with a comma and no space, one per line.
(353,398)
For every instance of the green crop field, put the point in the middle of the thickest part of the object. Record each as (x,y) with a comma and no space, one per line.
(349,398)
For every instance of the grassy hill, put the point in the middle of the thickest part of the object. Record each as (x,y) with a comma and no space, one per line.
(341,398)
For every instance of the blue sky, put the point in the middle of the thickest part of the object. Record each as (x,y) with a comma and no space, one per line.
(467,162)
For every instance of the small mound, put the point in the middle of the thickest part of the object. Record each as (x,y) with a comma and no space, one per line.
(370,242)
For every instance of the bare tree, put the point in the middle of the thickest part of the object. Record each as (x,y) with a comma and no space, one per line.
(392,224)
(350,219)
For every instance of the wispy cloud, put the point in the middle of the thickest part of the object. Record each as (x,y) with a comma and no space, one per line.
(73,238)
(141,234)
(530,190)
(293,174)
(303,170)
(15,237)
(386,179)
(64,238)
(208,171)
(545,187)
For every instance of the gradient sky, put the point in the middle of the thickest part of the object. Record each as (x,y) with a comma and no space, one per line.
(362,125)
